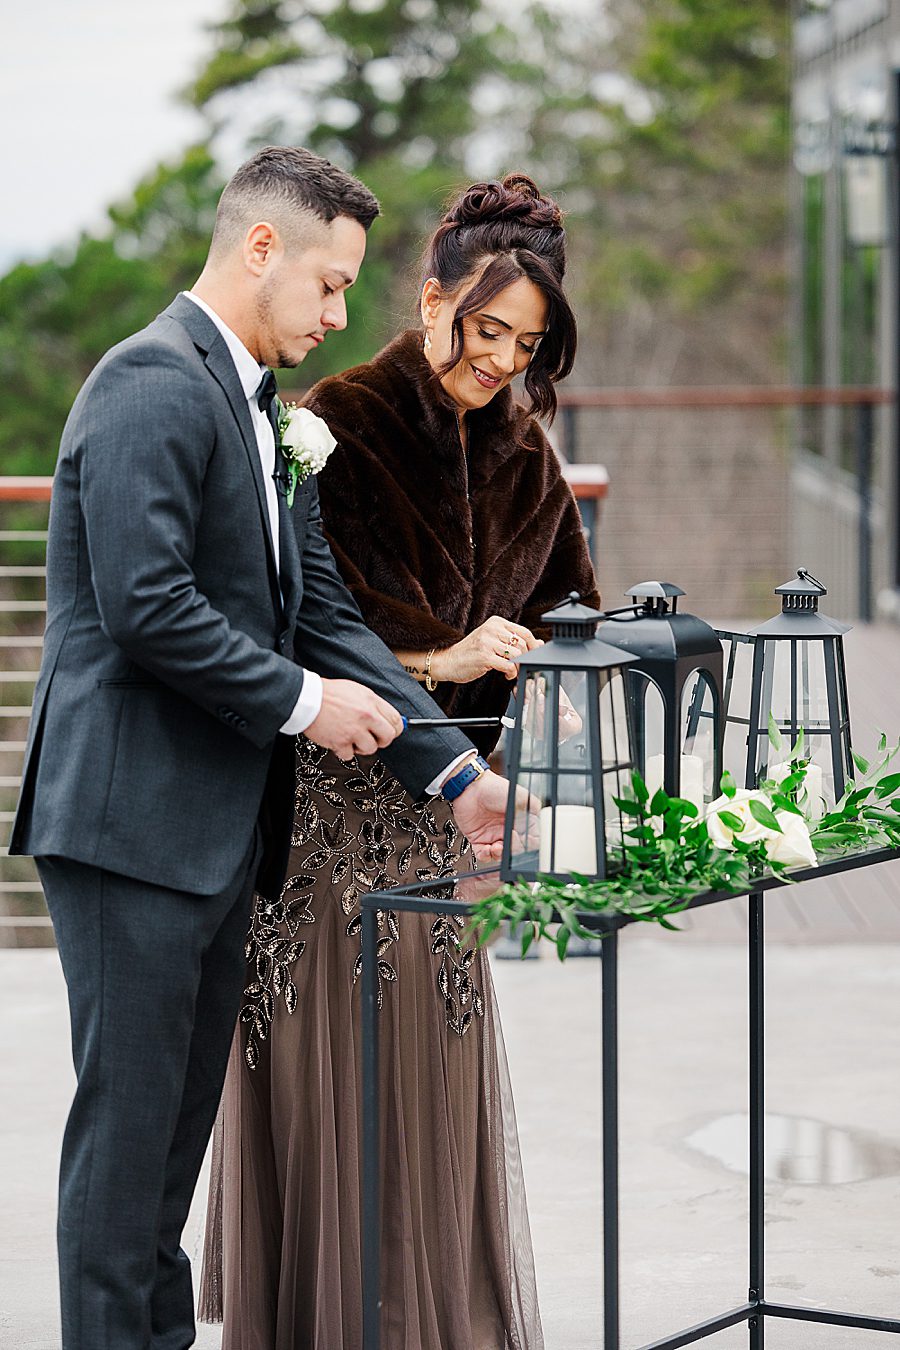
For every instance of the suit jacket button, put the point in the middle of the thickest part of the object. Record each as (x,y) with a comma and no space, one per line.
(242,723)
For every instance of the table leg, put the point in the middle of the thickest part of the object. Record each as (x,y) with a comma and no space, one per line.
(371,1197)
(757,1116)
(609,953)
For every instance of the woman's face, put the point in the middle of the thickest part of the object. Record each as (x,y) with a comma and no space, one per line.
(498,341)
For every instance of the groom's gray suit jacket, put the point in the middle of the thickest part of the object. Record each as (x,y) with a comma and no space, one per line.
(171,651)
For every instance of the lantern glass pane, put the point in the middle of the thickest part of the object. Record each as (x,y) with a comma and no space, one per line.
(615,739)
(648,726)
(555,768)
(738,678)
(795,688)
(575,758)
(698,747)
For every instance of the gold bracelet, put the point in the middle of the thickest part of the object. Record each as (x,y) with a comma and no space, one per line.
(430,684)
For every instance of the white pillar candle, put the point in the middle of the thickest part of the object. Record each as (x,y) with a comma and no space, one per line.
(654,775)
(576,844)
(692,780)
(691,777)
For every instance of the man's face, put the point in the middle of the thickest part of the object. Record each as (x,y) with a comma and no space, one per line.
(302,293)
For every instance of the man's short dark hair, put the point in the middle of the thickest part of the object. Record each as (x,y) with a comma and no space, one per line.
(293,188)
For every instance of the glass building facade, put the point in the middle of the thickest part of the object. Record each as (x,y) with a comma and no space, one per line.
(846,59)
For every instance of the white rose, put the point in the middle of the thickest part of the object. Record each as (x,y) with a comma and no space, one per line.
(307,434)
(793,846)
(738,805)
(810,798)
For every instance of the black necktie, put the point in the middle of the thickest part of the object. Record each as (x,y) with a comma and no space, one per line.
(265,401)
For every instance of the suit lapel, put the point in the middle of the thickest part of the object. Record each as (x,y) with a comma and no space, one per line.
(290,558)
(207,337)
(221,367)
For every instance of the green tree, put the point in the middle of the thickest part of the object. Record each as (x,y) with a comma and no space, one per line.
(661,125)
(59,316)
(411,95)
(689,179)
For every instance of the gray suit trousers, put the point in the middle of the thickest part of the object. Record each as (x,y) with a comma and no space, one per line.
(154,979)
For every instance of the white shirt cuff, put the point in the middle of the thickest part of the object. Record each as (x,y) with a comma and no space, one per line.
(308,705)
(436,784)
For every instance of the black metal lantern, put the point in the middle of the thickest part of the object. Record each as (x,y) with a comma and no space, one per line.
(798,681)
(570,751)
(675,692)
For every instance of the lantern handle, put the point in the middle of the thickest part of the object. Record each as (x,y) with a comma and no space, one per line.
(623,609)
(805,575)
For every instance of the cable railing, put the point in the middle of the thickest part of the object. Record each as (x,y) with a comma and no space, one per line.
(23,538)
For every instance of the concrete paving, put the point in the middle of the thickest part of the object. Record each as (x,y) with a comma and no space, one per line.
(833,1080)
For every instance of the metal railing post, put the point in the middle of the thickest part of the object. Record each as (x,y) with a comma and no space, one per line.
(570,431)
(865,423)
(609,1004)
(757,1195)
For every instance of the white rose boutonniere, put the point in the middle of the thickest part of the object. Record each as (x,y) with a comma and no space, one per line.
(305,443)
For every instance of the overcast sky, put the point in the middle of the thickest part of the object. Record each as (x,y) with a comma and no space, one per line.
(87,105)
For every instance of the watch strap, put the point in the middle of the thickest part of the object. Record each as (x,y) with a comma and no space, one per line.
(458,782)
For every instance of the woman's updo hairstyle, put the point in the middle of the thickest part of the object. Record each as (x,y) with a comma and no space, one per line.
(499,233)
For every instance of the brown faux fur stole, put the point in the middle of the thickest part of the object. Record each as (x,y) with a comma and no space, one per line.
(431,541)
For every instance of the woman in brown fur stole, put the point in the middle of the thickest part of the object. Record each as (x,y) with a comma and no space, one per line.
(455,530)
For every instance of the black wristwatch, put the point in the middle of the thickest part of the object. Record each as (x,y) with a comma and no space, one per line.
(458,782)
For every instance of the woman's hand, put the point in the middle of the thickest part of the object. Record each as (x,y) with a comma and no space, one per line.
(570,722)
(491,646)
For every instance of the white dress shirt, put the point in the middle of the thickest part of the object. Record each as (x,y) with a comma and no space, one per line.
(250,372)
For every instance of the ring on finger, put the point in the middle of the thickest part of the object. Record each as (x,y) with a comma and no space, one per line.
(505,653)
(513,640)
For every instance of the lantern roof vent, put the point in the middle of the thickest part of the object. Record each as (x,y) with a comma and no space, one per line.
(574,644)
(656,596)
(801,593)
(572,619)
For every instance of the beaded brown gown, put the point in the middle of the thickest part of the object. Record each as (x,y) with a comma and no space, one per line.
(282,1264)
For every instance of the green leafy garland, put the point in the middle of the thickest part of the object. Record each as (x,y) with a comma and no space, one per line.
(670,855)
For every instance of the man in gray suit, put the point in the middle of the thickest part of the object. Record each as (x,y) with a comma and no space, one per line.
(195,624)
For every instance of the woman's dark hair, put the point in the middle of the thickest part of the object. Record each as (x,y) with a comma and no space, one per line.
(517,232)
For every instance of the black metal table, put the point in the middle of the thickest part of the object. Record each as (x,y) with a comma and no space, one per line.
(431,897)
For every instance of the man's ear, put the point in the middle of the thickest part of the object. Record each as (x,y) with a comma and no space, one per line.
(260,245)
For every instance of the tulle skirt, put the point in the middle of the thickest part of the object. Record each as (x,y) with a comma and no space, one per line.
(282,1264)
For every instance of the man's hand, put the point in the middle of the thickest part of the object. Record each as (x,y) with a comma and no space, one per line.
(353,720)
(480,813)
